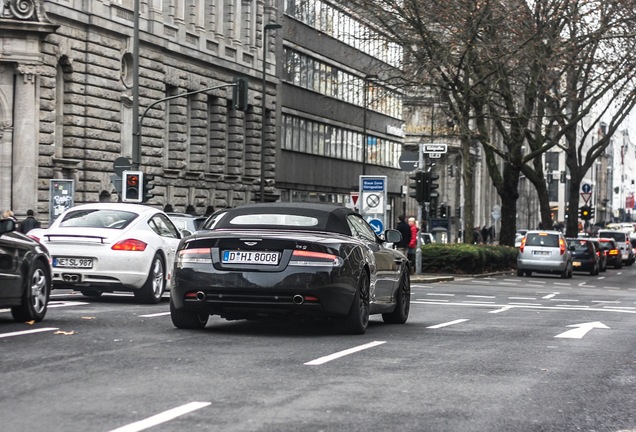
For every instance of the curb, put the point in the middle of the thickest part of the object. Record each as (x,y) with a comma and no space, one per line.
(450,278)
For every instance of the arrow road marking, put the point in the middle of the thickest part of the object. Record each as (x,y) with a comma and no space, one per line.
(581,330)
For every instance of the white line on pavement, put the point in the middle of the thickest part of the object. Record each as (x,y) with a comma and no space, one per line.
(447,324)
(25,332)
(162,417)
(557,307)
(522,298)
(480,296)
(503,309)
(440,294)
(337,355)
(155,315)
(549,296)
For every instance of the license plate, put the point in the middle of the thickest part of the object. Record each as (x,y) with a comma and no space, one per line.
(576,264)
(542,253)
(73,262)
(250,257)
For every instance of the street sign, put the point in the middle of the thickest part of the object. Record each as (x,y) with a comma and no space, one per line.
(586,196)
(586,187)
(409,161)
(120,165)
(354,197)
(435,155)
(372,202)
(377,226)
(434,148)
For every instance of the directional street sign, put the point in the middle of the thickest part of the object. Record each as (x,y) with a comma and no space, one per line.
(377,226)
(586,187)
(434,148)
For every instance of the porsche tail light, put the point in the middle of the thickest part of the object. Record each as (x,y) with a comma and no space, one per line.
(317,259)
(195,255)
(561,246)
(522,245)
(130,245)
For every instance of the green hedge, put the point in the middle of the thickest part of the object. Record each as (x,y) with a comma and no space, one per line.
(467,258)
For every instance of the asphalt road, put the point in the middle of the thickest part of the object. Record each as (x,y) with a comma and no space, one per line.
(489,354)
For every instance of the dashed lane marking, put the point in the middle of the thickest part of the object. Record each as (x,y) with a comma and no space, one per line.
(163,417)
(328,358)
(446,324)
(26,332)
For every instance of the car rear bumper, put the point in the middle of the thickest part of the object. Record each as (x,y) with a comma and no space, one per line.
(541,266)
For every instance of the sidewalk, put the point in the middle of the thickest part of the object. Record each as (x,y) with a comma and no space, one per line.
(437,277)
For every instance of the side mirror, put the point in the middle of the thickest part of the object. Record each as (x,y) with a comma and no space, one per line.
(392,236)
(7,225)
(185,233)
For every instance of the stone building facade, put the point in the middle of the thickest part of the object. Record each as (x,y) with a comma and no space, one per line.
(66,100)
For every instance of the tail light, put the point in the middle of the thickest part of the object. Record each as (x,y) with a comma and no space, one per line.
(562,246)
(522,245)
(130,245)
(36,238)
(196,256)
(315,259)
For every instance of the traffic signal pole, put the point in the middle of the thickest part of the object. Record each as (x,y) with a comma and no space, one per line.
(418,249)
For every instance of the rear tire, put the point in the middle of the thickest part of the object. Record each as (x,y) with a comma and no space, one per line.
(357,321)
(402,302)
(35,299)
(565,273)
(184,319)
(155,285)
(519,273)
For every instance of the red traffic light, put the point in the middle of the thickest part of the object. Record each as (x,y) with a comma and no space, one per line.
(132,180)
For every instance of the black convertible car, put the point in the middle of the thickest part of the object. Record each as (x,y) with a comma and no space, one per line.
(25,274)
(286,259)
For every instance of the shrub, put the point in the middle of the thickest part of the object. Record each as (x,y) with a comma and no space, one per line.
(467,258)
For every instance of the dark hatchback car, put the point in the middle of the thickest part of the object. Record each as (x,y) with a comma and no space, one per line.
(612,252)
(290,259)
(584,255)
(25,274)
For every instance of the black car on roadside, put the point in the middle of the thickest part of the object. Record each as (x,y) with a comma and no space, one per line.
(25,274)
(584,255)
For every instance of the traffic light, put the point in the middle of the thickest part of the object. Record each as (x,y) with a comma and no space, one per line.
(585,212)
(443,212)
(131,186)
(148,186)
(591,212)
(239,94)
(432,212)
(431,186)
(417,185)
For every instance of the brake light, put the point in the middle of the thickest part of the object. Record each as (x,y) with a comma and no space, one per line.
(196,255)
(562,246)
(309,258)
(522,245)
(130,245)
(36,238)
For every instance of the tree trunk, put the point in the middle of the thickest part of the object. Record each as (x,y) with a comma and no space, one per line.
(468,174)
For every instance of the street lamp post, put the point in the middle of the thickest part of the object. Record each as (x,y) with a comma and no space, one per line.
(268,27)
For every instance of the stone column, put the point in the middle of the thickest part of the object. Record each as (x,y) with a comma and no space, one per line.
(25,139)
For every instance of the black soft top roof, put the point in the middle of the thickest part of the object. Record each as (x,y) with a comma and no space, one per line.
(331,218)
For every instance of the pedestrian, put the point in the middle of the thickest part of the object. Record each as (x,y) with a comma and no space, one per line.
(29,223)
(405,230)
(8,214)
(413,242)
(484,234)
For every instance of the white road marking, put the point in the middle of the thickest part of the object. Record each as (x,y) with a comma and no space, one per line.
(503,309)
(155,315)
(558,307)
(325,359)
(562,284)
(565,300)
(522,298)
(479,302)
(619,307)
(25,332)
(440,294)
(481,296)
(537,282)
(55,304)
(162,417)
(581,330)
(447,324)
(525,304)
(434,300)
(549,296)
(606,301)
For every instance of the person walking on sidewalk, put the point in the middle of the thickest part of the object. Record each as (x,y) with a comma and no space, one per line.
(412,243)
(405,230)
(29,223)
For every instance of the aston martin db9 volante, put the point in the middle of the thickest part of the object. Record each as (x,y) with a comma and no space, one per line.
(290,259)
(25,274)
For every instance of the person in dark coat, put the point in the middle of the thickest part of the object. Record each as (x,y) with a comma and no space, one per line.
(29,223)
(405,229)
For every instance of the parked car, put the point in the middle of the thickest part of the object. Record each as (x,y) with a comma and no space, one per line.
(290,259)
(612,252)
(106,247)
(623,242)
(544,252)
(427,238)
(186,222)
(585,256)
(25,274)
(519,236)
(601,253)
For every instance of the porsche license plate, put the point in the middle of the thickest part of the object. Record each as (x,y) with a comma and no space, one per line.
(250,257)
(73,262)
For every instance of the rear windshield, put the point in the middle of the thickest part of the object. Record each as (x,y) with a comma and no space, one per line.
(619,236)
(96,218)
(275,219)
(579,245)
(542,239)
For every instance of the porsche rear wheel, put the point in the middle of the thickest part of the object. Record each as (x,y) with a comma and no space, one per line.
(36,295)
(357,320)
(153,289)
(402,302)
(185,319)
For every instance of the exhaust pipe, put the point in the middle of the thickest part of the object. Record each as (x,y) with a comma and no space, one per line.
(70,277)
(298,299)
(200,296)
